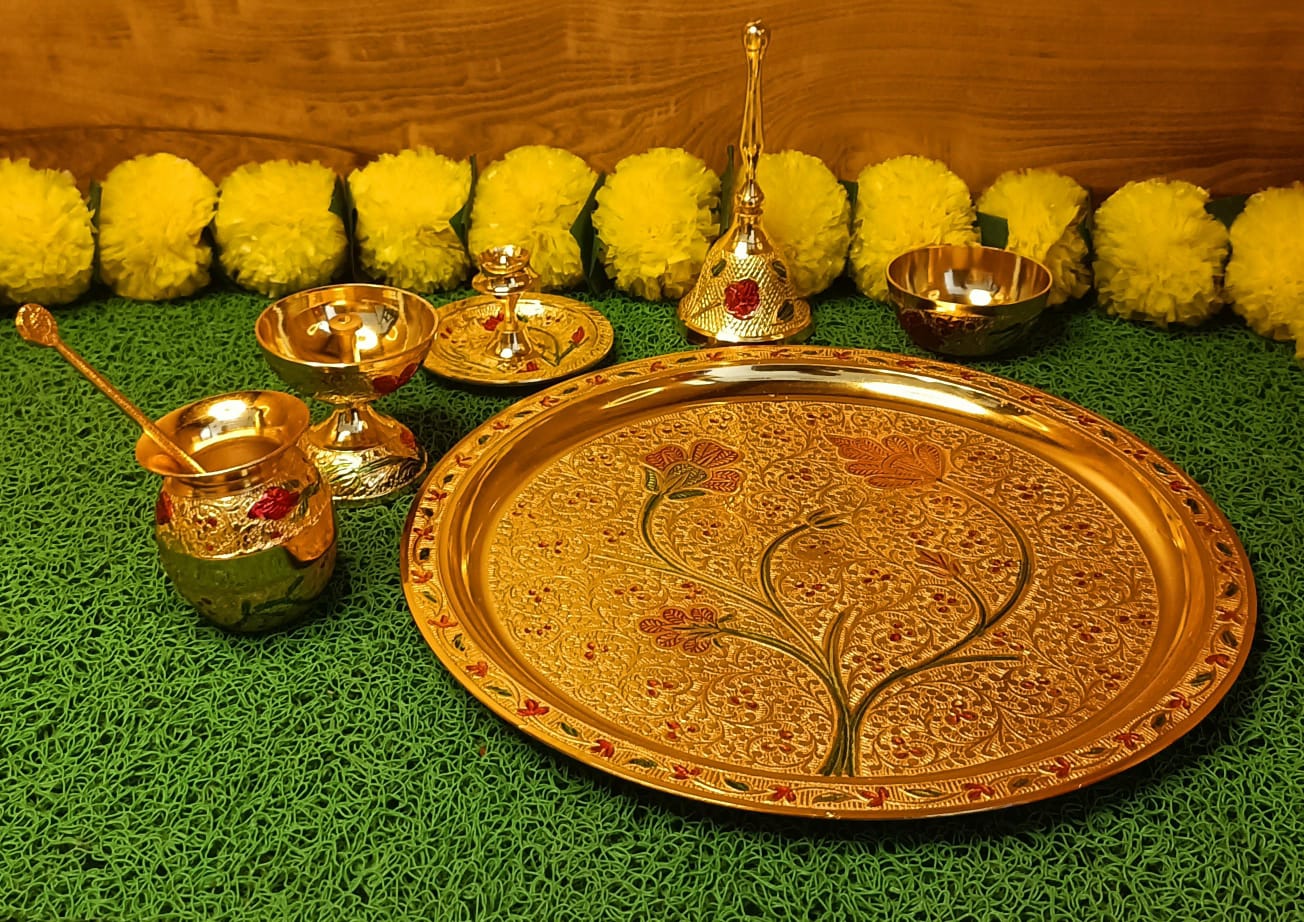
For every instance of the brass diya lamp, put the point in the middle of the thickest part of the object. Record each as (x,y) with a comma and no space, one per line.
(243,523)
(347,345)
(743,294)
(967,300)
(510,334)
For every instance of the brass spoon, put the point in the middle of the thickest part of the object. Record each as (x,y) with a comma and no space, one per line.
(36,325)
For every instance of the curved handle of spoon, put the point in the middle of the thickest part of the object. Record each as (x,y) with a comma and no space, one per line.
(37,325)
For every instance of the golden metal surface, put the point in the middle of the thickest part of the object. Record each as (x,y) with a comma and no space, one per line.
(250,542)
(512,335)
(566,337)
(967,301)
(347,345)
(743,294)
(37,325)
(828,582)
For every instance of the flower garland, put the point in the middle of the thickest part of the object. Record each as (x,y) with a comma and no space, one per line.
(531,197)
(47,247)
(275,228)
(656,216)
(1265,277)
(807,215)
(902,204)
(404,203)
(1044,211)
(153,212)
(1159,254)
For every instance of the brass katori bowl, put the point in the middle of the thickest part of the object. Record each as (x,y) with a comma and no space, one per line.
(347,345)
(967,300)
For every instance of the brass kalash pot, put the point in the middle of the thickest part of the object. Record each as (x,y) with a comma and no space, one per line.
(250,541)
(743,294)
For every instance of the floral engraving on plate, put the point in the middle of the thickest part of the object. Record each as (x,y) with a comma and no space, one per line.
(817,587)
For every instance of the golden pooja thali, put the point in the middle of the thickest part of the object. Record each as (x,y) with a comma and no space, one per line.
(827,582)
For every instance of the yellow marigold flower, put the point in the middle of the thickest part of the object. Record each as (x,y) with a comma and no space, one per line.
(531,197)
(1044,211)
(275,231)
(153,211)
(903,204)
(656,216)
(404,202)
(47,247)
(1265,277)
(1159,254)
(807,216)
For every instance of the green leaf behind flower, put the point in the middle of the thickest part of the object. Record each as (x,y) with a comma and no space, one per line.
(460,222)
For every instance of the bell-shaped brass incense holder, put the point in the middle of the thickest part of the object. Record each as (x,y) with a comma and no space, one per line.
(347,345)
(743,294)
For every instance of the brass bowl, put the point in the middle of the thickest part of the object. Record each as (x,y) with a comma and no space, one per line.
(967,300)
(347,345)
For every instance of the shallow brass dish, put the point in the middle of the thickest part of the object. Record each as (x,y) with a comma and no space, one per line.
(967,300)
(828,582)
(568,337)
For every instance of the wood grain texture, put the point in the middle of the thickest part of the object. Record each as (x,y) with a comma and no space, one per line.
(1199,89)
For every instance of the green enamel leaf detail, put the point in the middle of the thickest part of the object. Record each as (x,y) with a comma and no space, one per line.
(569,730)
(458,642)
(1202,679)
(717,269)
(498,691)
(737,785)
(787,311)
(832,798)
(643,763)
(649,480)
(1159,720)
(686,494)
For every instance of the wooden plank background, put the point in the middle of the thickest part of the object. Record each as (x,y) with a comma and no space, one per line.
(1207,90)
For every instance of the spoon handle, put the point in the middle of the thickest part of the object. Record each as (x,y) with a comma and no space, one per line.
(37,326)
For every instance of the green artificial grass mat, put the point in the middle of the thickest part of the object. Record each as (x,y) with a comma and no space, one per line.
(153,767)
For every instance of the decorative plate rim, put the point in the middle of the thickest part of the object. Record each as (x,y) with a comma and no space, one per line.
(1229,628)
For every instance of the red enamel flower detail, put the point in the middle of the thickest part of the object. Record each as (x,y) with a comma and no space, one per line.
(491,323)
(578,336)
(783,793)
(533,708)
(530,366)
(1177,700)
(742,298)
(892,463)
(976,790)
(684,772)
(1218,659)
(1060,768)
(1130,740)
(694,630)
(274,504)
(387,384)
(705,467)
(479,670)
(604,748)
(876,797)
(163,509)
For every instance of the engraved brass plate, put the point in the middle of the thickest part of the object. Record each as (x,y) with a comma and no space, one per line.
(828,582)
(566,336)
